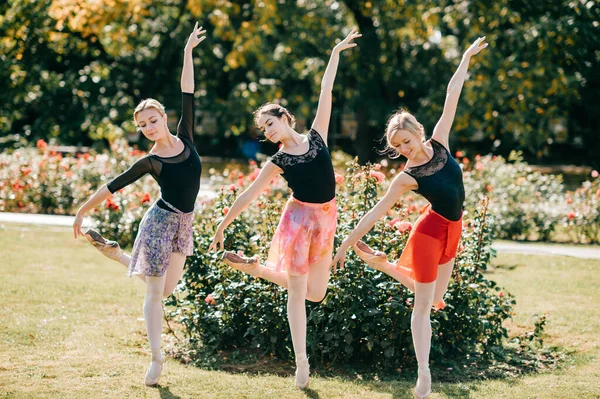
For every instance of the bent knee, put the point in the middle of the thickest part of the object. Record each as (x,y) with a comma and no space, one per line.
(316,296)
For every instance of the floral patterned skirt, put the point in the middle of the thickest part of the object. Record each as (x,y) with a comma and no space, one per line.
(303,237)
(161,232)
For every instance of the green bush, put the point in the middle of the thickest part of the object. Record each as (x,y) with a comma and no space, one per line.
(525,204)
(365,317)
(583,217)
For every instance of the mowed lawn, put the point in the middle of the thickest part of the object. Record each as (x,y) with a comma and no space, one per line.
(71,327)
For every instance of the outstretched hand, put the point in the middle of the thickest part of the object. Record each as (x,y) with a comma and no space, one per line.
(217,241)
(77,223)
(339,258)
(476,47)
(347,42)
(195,37)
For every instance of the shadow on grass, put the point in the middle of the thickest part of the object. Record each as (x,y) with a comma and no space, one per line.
(502,267)
(311,393)
(452,378)
(165,393)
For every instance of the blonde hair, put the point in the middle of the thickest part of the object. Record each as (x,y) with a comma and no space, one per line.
(150,103)
(274,110)
(401,120)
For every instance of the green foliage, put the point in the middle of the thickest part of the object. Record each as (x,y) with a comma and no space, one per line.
(583,213)
(39,180)
(525,204)
(74,70)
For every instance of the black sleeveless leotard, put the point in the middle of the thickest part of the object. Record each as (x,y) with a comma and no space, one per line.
(441,182)
(310,176)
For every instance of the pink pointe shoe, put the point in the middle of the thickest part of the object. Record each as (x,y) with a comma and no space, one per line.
(302,372)
(375,259)
(153,373)
(241,263)
(110,249)
(424,376)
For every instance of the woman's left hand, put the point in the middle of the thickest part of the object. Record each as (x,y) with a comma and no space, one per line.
(196,37)
(476,47)
(346,43)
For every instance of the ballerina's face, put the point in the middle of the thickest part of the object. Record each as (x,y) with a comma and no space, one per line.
(152,123)
(406,143)
(273,127)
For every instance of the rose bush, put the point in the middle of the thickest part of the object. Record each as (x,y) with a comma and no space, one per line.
(524,204)
(365,316)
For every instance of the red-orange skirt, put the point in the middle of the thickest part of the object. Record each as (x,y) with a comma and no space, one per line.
(433,241)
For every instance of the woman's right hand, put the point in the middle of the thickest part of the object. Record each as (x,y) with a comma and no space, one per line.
(218,239)
(77,225)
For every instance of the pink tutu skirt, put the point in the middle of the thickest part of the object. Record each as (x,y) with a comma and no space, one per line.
(303,237)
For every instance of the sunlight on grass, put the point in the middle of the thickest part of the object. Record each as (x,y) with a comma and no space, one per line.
(71,326)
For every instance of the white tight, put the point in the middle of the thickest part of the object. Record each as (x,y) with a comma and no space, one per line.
(311,286)
(426,294)
(158,288)
(404,276)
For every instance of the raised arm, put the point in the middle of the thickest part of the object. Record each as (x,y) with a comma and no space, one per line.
(185,128)
(264,178)
(442,128)
(321,122)
(400,185)
(187,74)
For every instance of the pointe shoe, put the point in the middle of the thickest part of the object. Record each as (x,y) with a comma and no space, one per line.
(425,396)
(153,373)
(376,259)
(424,374)
(241,263)
(302,373)
(110,249)
(439,306)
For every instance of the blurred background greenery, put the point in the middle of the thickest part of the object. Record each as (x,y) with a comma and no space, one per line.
(72,71)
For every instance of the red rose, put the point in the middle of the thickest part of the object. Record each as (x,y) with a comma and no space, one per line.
(41,144)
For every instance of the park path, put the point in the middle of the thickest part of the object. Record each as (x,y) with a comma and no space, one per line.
(529,248)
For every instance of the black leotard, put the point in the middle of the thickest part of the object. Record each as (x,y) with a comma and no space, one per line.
(440,182)
(310,176)
(177,176)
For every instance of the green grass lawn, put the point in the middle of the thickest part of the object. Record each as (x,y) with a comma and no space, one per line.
(71,327)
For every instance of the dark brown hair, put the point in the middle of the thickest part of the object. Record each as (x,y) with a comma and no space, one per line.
(274,110)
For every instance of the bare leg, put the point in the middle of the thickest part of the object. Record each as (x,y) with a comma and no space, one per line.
(318,279)
(421,333)
(174,272)
(442,281)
